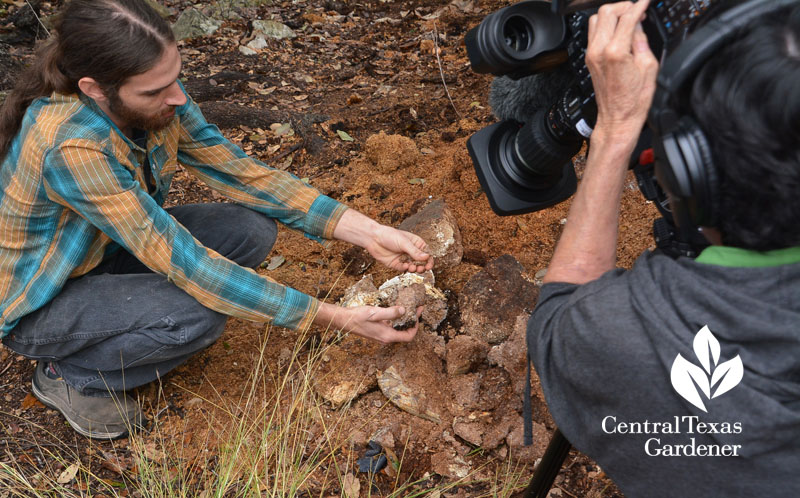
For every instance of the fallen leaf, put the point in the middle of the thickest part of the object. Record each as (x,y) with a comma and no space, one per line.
(286,163)
(153,453)
(344,136)
(275,262)
(30,401)
(300,97)
(417,181)
(284,129)
(114,463)
(350,486)
(68,474)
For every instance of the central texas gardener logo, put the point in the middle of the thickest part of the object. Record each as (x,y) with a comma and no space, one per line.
(687,377)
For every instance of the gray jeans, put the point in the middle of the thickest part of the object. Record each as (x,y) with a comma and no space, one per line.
(121,325)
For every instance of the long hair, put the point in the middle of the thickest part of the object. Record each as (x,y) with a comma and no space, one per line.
(747,99)
(107,40)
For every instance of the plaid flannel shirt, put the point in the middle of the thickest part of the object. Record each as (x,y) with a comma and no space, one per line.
(73,192)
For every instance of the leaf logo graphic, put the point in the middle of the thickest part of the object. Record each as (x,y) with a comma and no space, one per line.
(720,377)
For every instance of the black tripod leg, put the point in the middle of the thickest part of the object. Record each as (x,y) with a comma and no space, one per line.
(548,468)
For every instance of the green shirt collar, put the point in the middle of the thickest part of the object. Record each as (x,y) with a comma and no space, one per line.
(745,258)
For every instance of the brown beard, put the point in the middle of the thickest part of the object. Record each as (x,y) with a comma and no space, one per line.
(134,118)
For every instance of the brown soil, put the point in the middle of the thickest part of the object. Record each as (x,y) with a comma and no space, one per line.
(377,81)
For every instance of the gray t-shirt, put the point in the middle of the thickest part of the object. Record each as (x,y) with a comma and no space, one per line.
(607,356)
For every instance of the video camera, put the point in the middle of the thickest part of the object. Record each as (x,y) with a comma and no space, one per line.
(524,164)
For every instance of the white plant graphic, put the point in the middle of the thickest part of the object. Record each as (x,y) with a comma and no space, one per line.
(687,377)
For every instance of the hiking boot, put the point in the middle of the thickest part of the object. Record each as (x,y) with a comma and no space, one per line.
(94,417)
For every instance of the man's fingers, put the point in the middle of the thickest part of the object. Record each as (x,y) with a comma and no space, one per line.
(641,48)
(391,313)
(627,23)
(602,29)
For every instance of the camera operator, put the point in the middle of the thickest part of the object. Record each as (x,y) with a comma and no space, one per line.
(606,343)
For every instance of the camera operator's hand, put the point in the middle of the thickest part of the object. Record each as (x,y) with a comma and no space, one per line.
(624,74)
(623,68)
(371,322)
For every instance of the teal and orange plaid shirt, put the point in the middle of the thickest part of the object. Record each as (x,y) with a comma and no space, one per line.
(73,191)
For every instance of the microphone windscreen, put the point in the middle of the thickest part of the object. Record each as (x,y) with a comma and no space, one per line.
(520,99)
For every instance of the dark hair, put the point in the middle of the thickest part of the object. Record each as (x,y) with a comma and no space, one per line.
(107,40)
(747,100)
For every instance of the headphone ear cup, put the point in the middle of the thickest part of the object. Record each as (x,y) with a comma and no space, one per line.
(704,175)
(685,170)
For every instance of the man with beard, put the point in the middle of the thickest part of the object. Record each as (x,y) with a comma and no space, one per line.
(100,283)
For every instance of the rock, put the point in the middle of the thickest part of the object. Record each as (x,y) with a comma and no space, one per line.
(482,391)
(488,432)
(256,44)
(471,432)
(193,24)
(466,392)
(384,437)
(435,301)
(515,440)
(162,11)
(409,298)
(391,152)
(349,372)
(272,29)
(234,9)
(413,401)
(511,355)
(364,293)
(448,464)
(438,227)
(247,50)
(464,354)
(493,298)
(538,278)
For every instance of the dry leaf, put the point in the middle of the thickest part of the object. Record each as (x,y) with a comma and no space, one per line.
(350,486)
(30,401)
(68,474)
(114,463)
(153,453)
(275,262)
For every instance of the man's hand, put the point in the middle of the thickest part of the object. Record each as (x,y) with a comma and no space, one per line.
(623,68)
(400,250)
(397,249)
(371,322)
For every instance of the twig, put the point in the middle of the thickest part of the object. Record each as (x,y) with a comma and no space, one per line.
(287,152)
(37,18)
(379,111)
(7,367)
(441,71)
(565,491)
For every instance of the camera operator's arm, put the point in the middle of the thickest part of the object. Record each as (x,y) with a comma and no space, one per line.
(624,75)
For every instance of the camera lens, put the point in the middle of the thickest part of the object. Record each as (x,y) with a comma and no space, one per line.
(518,33)
(538,158)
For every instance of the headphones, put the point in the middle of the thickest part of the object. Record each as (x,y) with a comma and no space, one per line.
(684,166)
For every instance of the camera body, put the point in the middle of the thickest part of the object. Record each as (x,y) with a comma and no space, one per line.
(526,167)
